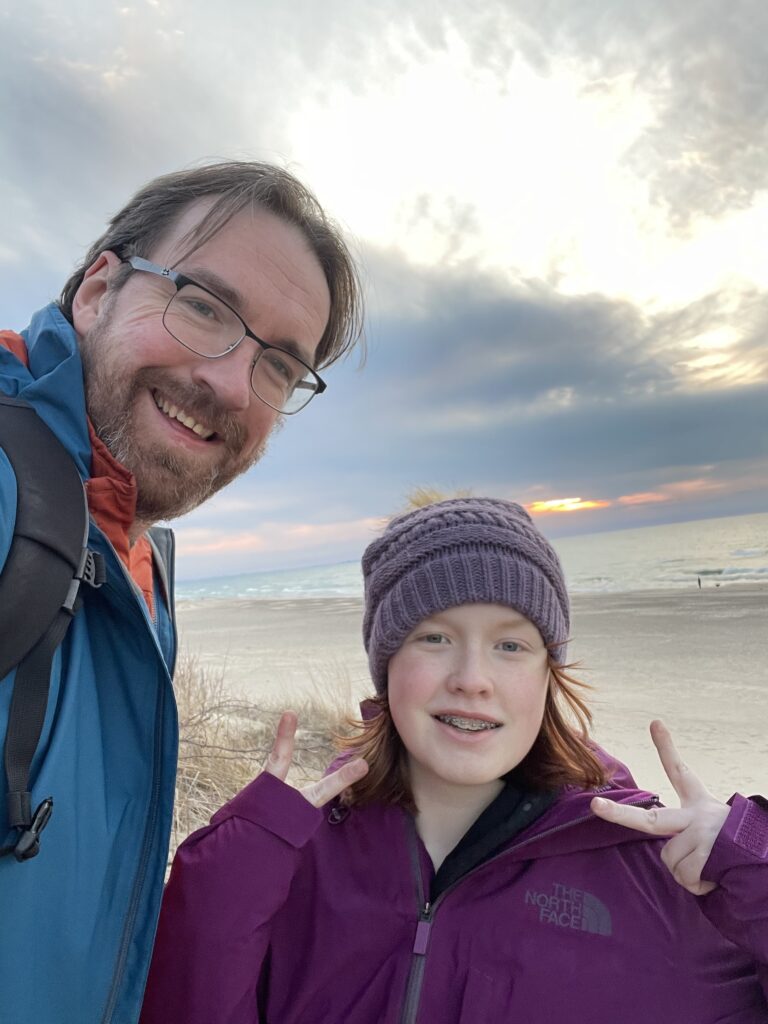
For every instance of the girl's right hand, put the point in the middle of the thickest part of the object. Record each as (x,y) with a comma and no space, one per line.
(317,793)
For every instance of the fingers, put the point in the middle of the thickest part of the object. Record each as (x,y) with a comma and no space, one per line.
(329,787)
(280,756)
(655,821)
(685,860)
(685,782)
(694,825)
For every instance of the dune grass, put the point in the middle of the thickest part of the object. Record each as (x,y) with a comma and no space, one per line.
(224,739)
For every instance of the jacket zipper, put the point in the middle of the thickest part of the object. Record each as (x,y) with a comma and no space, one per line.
(167,584)
(418,965)
(151,827)
(428,910)
(421,939)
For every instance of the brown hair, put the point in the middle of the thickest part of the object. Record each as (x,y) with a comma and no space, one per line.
(234,186)
(562,754)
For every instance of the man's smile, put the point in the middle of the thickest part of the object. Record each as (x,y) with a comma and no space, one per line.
(175,412)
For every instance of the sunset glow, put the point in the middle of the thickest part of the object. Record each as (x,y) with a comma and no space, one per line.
(538,508)
(643,498)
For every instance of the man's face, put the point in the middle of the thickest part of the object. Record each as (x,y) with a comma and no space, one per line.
(152,401)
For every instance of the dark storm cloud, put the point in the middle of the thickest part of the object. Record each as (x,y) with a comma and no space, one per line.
(466,337)
(485,340)
(507,390)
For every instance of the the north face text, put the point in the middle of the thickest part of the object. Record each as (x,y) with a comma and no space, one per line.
(566,907)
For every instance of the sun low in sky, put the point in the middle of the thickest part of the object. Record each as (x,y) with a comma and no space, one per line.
(538,508)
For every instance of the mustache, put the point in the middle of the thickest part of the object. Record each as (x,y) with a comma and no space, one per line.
(197,402)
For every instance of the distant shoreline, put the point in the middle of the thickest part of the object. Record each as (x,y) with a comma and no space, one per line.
(577,596)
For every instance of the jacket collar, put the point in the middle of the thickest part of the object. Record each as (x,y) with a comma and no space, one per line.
(570,826)
(53,381)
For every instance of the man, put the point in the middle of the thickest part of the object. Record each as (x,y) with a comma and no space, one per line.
(199,318)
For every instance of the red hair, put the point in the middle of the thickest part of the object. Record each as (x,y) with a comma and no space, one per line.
(562,754)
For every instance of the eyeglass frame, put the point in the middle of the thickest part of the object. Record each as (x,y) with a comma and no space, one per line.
(180,280)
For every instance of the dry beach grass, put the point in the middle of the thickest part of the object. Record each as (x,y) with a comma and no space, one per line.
(224,739)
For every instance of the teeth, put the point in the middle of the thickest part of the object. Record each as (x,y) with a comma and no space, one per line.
(175,413)
(467,724)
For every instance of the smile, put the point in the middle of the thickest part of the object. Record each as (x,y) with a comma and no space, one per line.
(467,724)
(175,413)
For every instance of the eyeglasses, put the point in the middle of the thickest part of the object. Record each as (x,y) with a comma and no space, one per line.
(208,326)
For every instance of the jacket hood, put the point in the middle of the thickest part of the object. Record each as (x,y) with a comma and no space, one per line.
(53,381)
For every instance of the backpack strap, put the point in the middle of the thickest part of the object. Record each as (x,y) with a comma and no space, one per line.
(39,595)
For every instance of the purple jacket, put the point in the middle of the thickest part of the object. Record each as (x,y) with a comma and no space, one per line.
(281,913)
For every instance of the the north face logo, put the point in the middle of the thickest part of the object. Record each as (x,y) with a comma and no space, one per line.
(565,907)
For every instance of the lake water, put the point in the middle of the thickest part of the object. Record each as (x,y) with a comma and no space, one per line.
(718,552)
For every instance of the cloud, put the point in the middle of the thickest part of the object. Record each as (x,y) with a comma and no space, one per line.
(99,105)
(513,104)
(518,392)
(677,491)
(703,68)
(643,498)
(271,544)
(514,174)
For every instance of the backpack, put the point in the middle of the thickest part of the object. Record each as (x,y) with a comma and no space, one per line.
(47,562)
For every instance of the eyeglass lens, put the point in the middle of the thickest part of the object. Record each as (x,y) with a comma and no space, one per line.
(208,327)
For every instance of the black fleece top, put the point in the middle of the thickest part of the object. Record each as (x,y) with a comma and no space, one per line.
(513,810)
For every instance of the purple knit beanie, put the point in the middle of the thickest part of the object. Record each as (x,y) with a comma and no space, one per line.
(460,551)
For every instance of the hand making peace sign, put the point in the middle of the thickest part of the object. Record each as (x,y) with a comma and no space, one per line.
(317,793)
(694,825)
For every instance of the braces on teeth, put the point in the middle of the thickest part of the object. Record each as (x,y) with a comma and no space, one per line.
(468,724)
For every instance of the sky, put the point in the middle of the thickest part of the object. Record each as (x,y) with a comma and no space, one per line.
(560,211)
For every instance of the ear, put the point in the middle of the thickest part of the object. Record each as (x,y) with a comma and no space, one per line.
(92,291)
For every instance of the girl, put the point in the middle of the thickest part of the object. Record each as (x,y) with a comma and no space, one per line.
(458,866)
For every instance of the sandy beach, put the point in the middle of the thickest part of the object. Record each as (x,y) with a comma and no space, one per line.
(696,658)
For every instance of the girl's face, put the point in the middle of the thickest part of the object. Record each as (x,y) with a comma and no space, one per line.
(466,692)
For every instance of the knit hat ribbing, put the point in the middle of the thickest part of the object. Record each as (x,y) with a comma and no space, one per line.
(459,551)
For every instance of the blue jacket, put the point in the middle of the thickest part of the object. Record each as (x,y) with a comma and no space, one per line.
(79,919)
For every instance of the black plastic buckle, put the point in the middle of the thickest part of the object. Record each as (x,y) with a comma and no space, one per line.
(28,843)
(93,571)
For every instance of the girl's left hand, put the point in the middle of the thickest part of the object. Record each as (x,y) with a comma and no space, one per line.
(694,825)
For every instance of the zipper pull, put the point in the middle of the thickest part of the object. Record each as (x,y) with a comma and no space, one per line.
(421,941)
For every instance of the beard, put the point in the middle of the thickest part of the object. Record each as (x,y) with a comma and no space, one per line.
(169,482)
